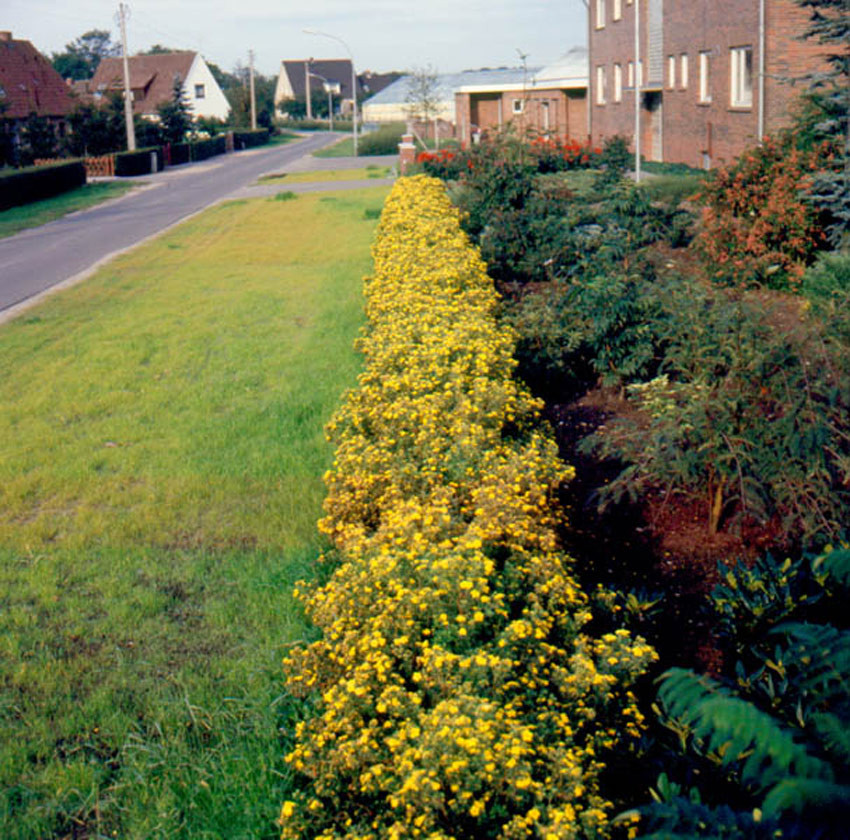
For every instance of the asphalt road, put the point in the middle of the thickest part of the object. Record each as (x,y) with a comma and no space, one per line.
(62,252)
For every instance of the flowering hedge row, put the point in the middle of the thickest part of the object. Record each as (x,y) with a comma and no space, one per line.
(455,692)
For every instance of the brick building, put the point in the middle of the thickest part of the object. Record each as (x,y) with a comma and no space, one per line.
(713,76)
(551,101)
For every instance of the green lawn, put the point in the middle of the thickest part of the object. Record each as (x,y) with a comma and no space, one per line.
(17,219)
(160,480)
(324,175)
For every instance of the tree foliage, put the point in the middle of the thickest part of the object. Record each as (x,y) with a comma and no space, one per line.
(775,728)
(423,94)
(175,116)
(83,55)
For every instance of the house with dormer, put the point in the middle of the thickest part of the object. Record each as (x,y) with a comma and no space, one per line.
(152,79)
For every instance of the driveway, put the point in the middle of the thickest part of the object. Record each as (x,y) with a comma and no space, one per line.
(39,261)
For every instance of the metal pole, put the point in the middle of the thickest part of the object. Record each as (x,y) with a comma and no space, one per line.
(307,87)
(128,94)
(253,98)
(353,80)
(637,81)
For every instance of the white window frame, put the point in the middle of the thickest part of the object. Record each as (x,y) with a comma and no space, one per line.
(517,106)
(640,74)
(600,14)
(200,91)
(630,75)
(600,84)
(618,82)
(741,77)
(683,71)
(617,11)
(671,71)
(705,77)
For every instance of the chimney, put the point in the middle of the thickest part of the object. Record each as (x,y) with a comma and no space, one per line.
(5,36)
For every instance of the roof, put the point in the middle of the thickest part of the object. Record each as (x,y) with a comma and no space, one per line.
(332,69)
(151,77)
(28,82)
(447,84)
(569,71)
(375,82)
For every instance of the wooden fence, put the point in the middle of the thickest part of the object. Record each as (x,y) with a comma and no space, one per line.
(96,167)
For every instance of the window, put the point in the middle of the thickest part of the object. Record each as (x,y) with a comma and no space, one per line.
(618,82)
(671,71)
(640,73)
(617,12)
(518,106)
(600,14)
(600,85)
(704,80)
(630,75)
(741,77)
(683,70)
(199,92)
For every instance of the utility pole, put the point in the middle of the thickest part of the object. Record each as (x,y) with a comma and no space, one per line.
(128,94)
(307,88)
(253,98)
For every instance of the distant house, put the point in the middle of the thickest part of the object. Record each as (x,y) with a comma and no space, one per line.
(551,101)
(30,85)
(298,76)
(152,80)
(712,76)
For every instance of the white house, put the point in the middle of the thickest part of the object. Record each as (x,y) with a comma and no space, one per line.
(152,80)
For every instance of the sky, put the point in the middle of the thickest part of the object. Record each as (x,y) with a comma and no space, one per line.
(382,35)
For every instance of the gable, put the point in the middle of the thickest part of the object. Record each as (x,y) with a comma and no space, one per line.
(151,78)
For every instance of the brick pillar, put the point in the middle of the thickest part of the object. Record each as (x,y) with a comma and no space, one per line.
(406,152)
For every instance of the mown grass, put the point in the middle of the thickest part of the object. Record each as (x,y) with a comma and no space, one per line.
(16,219)
(326,175)
(160,480)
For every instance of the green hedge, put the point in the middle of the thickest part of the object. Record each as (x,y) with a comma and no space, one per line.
(249,139)
(128,164)
(180,153)
(22,186)
(209,148)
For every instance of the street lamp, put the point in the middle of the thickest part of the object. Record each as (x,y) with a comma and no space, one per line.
(353,81)
(330,89)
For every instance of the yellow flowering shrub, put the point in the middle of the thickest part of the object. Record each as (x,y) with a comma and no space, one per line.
(456,694)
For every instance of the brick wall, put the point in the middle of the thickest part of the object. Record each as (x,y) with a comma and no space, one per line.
(565,112)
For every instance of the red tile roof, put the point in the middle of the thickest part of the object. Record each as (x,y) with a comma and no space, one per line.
(151,77)
(28,82)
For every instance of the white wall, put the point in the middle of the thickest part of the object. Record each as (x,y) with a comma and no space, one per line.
(213,103)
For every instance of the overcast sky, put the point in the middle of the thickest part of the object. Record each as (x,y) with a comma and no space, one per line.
(383,35)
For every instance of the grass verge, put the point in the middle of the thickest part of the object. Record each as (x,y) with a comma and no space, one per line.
(16,219)
(326,175)
(160,482)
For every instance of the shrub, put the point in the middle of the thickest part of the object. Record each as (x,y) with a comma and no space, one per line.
(128,164)
(758,228)
(560,155)
(457,692)
(448,164)
(775,726)
(250,139)
(204,149)
(22,186)
(748,416)
(384,141)
(826,285)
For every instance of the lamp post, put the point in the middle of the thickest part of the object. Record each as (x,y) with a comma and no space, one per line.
(353,81)
(330,89)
